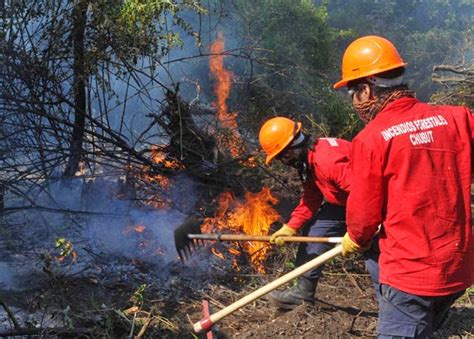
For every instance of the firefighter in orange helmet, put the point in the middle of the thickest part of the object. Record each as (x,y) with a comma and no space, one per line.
(323,166)
(412,174)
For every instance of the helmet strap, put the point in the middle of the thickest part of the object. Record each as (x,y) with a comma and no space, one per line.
(301,163)
(298,140)
(384,82)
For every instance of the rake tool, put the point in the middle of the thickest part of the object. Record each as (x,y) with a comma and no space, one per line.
(207,322)
(188,237)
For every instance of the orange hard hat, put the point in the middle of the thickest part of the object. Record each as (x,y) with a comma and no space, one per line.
(366,56)
(276,134)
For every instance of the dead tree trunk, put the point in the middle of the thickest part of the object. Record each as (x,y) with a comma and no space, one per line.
(2,175)
(79,87)
(2,134)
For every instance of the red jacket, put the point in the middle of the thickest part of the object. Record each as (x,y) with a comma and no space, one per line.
(329,163)
(411,172)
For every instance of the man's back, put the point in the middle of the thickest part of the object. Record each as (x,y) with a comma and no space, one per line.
(413,174)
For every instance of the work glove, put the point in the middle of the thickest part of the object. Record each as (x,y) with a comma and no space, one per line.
(278,237)
(349,246)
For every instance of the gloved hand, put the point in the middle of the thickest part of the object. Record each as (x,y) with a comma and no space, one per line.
(278,237)
(349,246)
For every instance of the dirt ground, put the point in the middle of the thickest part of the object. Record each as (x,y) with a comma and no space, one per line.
(98,302)
(345,308)
(97,297)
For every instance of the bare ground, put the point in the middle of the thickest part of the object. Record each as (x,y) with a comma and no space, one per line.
(97,299)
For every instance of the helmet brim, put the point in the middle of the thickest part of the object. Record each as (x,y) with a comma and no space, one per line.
(270,157)
(345,81)
(340,84)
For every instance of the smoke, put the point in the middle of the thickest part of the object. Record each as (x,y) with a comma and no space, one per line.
(153,242)
(96,219)
(7,276)
(93,214)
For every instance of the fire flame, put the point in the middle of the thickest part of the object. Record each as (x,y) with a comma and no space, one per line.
(253,216)
(81,170)
(159,156)
(134,228)
(223,77)
(145,243)
(217,253)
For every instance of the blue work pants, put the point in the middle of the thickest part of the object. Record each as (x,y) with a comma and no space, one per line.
(405,315)
(329,221)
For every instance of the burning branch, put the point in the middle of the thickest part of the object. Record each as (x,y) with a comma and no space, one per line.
(232,140)
(254,216)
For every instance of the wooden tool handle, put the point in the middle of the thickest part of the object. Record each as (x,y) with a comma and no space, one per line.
(206,323)
(266,238)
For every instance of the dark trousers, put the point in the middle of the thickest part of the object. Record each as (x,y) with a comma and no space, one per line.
(405,315)
(371,258)
(329,221)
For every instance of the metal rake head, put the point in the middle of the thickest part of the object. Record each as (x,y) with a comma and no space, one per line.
(185,245)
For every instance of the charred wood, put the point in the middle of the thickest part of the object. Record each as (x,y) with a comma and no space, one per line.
(188,143)
(10,314)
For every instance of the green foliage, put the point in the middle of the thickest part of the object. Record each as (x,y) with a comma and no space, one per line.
(114,31)
(133,28)
(290,265)
(427,33)
(137,297)
(66,248)
(293,46)
(336,117)
(149,22)
(294,32)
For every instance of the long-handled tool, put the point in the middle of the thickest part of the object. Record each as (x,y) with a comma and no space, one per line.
(188,235)
(207,322)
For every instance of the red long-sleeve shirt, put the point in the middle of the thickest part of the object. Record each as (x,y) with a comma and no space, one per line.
(329,162)
(411,172)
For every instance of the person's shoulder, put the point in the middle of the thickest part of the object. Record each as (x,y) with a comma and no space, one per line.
(370,137)
(457,109)
(330,150)
(369,131)
(455,112)
(332,142)
(332,146)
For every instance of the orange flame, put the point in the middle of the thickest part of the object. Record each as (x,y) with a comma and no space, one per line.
(223,77)
(139,228)
(234,251)
(159,156)
(253,216)
(235,265)
(163,181)
(134,228)
(81,170)
(217,253)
